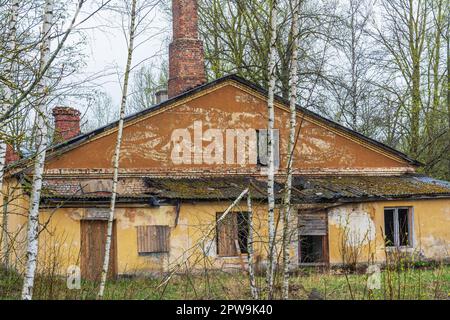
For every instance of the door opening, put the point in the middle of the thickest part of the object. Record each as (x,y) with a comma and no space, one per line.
(312,249)
(93,241)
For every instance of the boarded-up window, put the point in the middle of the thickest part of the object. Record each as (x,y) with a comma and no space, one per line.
(313,223)
(153,239)
(232,233)
(313,236)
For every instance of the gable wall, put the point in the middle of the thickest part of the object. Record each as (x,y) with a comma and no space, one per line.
(147,142)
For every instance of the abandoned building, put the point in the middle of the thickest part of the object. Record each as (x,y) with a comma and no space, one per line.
(185,159)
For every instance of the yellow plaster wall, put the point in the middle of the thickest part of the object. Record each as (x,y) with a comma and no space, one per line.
(431,228)
(60,241)
(17,208)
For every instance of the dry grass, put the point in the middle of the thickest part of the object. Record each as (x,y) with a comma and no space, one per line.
(413,283)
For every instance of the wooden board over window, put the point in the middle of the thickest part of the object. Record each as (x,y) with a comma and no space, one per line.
(313,223)
(231,229)
(313,237)
(153,239)
(93,241)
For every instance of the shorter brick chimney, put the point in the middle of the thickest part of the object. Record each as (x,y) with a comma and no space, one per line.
(11,155)
(67,123)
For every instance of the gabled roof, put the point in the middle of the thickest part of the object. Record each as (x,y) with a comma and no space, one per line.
(72,143)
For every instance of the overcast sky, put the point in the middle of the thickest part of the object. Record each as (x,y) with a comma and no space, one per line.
(106,49)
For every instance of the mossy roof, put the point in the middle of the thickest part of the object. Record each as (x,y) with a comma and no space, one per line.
(306,189)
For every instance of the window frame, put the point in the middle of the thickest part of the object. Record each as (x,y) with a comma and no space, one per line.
(396,227)
(217,237)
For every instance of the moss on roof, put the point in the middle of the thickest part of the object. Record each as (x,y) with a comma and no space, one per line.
(307,189)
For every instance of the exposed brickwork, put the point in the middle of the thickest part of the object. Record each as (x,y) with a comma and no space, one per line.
(186,58)
(67,123)
(10,156)
(185,19)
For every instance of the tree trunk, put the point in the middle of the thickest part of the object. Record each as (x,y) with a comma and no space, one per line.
(41,143)
(250,249)
(271,151)
(416,39)
(8,97)
(448,94)
(286,210)
(10,45)
(117,150)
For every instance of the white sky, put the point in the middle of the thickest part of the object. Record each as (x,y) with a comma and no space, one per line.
(106,48)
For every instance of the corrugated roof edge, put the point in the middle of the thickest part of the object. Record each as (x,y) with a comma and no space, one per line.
(72,143)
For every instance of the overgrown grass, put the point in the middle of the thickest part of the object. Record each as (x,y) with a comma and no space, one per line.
(433,283)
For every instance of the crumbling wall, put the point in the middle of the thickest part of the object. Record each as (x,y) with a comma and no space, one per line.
(365,223)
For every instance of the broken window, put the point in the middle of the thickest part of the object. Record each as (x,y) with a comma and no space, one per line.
(398,227)
(232,233)
(263,147)
(153,239)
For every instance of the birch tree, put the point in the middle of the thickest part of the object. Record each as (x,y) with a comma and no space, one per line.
(8,97)
(286,210)
(131,35)
(41,142)
(271,150)
(8,92)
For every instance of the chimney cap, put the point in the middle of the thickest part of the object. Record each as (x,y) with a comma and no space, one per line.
(67,123)
(62,110)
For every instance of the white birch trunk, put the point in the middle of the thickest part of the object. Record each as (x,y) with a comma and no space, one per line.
(271,151)
(2,163)
(8,93)
(8,96)
(117,151)
(250,249)
(287,228)
(41,146)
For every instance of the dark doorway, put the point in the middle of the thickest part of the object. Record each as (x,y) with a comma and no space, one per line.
(311,249)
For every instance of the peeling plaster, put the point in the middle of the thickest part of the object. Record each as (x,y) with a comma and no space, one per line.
(435,247)
(357,221)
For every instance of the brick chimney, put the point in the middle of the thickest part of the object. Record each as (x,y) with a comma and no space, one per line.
(67,123)
(11,155)
(186,58)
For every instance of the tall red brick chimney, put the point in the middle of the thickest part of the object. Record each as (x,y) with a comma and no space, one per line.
(67,123)
(186,58)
